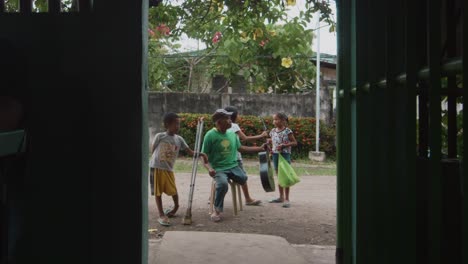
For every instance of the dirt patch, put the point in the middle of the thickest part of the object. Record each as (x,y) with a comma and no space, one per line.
(310,220)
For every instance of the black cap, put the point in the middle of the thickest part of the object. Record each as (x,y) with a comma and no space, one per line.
(220,113)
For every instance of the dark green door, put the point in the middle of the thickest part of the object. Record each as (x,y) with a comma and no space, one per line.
(400,171)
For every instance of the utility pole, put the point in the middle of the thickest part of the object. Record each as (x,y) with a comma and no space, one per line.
(317,155)
(317,90)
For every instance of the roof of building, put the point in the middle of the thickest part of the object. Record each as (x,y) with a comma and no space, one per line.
(327,59)
(324,57)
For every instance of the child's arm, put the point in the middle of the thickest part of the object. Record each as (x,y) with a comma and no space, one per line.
(203,155)
(292,141)
(252,149)
(190,151)
(244,137)
(206,164)
(206,149)
(208,167)
(155,143)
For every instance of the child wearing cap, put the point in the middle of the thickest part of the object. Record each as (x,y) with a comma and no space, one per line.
(221,146)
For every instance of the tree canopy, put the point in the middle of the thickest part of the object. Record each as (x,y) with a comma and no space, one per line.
(254,39)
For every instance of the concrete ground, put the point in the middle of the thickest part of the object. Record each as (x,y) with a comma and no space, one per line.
(310,220)
(304,233)
(182,247)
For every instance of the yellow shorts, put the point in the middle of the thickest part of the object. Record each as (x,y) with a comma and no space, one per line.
(164,182)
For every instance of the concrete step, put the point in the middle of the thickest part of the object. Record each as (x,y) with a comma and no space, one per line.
(317,254)
(183,247)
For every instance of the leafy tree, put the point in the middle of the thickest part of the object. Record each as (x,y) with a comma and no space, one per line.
(252,38)
(277,58)
(41,5)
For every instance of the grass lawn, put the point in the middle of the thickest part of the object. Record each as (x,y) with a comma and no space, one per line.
(302,167)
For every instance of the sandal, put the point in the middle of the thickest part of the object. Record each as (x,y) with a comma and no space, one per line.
(215,218)
(167,211)
(163,222)
(277,200)
(254,203)
(286,205)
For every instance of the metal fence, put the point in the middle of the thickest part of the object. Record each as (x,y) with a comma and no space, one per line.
(45,6)
(401,196)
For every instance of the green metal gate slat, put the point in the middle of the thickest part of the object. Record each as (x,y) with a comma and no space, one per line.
(353,128)
(465,139)
(344,244)
(377,148)
(409,93)
(361,129)
(451,84)
(392,50)
(420,59)
(25,6)
(367,247)
(395,206)
(435,182)
(397,114)
(386,131)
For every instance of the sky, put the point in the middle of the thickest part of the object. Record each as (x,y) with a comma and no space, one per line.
(327,39)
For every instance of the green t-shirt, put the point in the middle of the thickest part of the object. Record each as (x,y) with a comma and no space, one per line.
(221,149)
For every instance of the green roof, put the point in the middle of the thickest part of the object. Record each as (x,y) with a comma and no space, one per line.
(324,57)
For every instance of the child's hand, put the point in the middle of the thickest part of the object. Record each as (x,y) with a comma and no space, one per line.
(212,172)
(264,134)
(279,147)
(201,118)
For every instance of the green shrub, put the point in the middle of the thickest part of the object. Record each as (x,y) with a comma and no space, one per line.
(303,128)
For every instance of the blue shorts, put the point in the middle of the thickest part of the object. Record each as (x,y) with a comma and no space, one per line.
(286,156)
(241,165)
